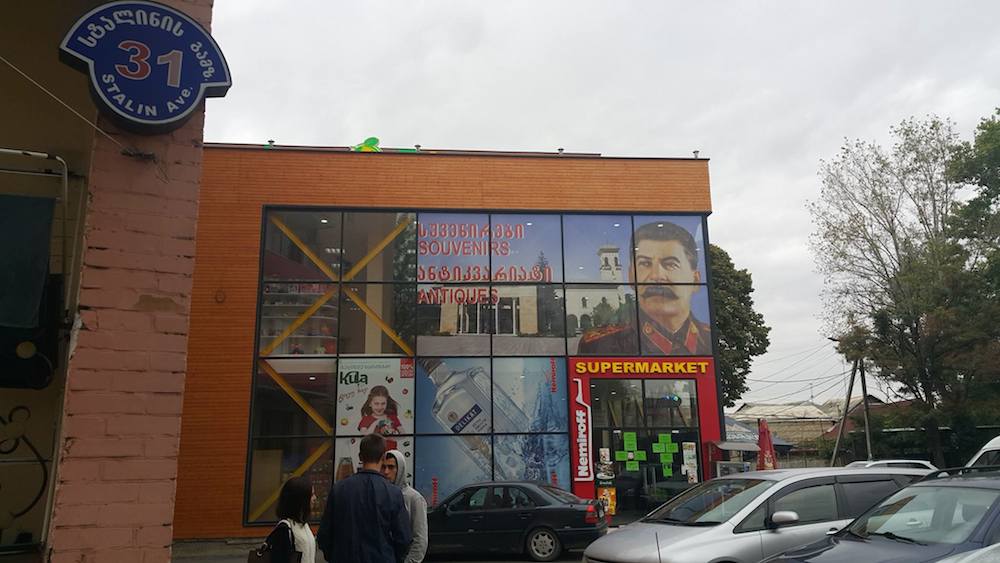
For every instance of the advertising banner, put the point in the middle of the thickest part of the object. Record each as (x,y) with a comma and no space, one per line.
(580,434)
(375,395)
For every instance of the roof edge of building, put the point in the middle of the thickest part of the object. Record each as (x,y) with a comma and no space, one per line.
(441,152)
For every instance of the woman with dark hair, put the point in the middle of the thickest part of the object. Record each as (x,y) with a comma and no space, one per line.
(291,540)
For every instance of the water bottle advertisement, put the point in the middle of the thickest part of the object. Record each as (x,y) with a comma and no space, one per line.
(375,395)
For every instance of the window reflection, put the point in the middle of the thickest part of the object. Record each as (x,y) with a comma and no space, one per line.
(617,402)
(275,460)
(597,248)
(286,304)
(453,247)
(289,236)
(600,320)
(380,246)
(378,319)
(455,320)
(528,320)
(276,413)
(526,248)
(671,403)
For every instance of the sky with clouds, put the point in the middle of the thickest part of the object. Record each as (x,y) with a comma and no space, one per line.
(764,89)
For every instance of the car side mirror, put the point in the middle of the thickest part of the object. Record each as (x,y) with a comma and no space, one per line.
(784,518)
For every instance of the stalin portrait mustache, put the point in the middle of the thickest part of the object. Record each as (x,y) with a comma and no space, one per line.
(666,271)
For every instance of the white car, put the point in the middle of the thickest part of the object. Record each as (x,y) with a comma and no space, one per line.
(988,455)
(989,554)
(907,463)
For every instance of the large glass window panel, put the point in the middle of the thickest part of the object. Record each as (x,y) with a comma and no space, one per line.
(532,457)
(600,320)
(380,246)
(290,236)
(378,319)
(674,320)
(275,460)
(529,395)
(671,403)
(617,403)
(526,248)
(280,412)
(375,395)
(455,319)
(453,248)
(669,249)
(529,320)
(348,462)
(285,305)
(446,463)
(453,396)
(597,248)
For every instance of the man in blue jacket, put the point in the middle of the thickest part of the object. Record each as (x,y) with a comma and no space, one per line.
(365,520)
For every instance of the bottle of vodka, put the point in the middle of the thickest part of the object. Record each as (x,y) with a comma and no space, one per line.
(462,407)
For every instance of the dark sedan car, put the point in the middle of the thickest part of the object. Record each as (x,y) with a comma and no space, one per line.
(949,512)
(514,517)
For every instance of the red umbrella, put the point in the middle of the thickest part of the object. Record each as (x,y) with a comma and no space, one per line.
(766,459)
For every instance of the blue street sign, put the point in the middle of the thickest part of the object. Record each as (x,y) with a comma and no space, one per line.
(150,65)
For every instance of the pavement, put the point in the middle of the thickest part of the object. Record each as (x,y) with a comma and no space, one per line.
(235,551)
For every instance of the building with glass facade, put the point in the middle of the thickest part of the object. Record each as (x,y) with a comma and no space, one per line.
(496,316)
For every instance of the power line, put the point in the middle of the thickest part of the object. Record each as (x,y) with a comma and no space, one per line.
(835,383)
(799,390)
(773,382)
(792,355)
(799,361)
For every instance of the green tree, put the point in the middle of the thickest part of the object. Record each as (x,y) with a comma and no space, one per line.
(900,290)
(741,330)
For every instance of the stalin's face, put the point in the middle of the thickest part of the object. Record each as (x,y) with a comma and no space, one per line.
(665,262)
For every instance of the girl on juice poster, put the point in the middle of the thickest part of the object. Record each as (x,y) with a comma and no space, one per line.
(379,415)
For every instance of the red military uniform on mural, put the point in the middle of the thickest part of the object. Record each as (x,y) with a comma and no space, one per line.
(693,338)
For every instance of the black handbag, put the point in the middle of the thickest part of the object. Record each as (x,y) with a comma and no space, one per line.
(265,553)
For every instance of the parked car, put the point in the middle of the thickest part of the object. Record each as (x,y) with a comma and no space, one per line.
(989,554)
(745,517)
(948,513)
(514,517)
(987,455)
(910,463)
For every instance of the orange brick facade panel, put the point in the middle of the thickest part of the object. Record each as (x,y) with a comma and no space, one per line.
(237,183)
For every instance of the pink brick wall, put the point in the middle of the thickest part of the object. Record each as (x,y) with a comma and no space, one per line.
(116,477)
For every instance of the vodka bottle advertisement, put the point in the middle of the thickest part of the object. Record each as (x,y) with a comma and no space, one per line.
(460,402)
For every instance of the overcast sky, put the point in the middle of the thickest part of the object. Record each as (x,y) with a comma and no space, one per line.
(763,89)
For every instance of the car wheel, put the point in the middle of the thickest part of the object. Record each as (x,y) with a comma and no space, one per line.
(543,545)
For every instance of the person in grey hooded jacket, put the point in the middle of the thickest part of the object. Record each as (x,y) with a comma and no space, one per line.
(394,469)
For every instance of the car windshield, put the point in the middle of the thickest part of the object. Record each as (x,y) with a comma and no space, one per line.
(711,502)
(562,495)
(927,514)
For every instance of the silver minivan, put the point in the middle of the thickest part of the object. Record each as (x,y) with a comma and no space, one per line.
(747,517)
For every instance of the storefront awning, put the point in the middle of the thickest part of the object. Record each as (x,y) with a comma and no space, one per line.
(737,446)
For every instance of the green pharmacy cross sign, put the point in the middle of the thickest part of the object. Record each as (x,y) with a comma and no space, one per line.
(666,447)
(632,455)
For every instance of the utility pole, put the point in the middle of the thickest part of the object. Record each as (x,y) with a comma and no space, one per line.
(864,394)
(843,418)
